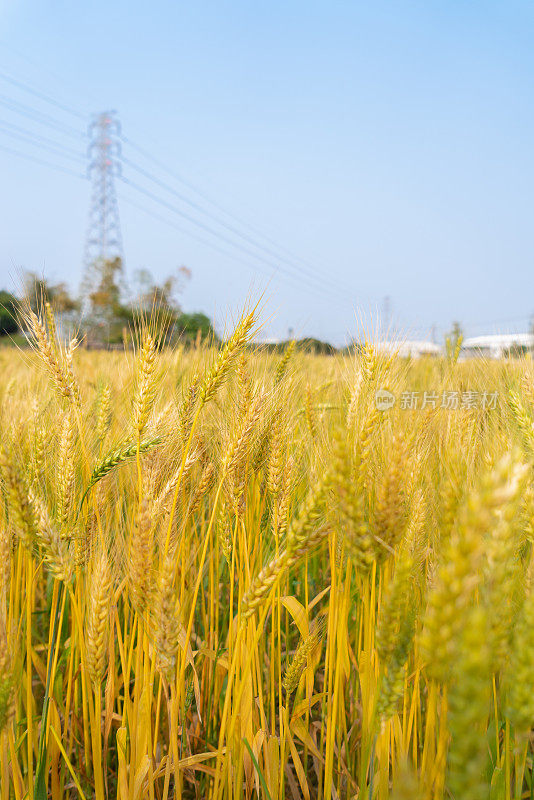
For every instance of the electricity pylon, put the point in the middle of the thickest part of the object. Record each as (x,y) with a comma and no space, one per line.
(103,262)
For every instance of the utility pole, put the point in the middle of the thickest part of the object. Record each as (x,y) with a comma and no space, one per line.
(386,314)
(103,245)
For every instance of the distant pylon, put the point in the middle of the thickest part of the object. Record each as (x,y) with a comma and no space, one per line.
(104,241)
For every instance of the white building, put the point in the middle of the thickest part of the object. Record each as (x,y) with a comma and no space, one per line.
(409,349)
(498,345)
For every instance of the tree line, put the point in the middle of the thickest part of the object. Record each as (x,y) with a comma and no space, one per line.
(105,313)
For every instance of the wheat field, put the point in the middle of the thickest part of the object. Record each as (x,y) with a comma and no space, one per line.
(228,574)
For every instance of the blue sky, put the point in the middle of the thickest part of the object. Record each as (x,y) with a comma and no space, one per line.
(388,144)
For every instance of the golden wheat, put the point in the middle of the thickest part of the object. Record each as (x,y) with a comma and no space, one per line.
(250,582)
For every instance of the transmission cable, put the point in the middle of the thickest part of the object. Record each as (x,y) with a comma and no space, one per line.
(322,291)
(297,261)
(40,141)
(210,244)
(43,118)
(42,162)
(41,96)
(39,116)
(230,228)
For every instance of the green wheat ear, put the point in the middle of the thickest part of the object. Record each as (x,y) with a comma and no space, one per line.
(468,709)
(116,457)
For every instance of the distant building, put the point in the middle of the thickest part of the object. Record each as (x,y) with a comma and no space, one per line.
(269,341)
(500,345)
(409,349)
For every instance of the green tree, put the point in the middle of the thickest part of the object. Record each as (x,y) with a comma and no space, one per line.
(189,326)
(163,296)
(311,345)
(453,340)
(8,313)
(38,290)
(105,299)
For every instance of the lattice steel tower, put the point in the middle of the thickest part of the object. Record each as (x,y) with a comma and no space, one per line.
(104,241)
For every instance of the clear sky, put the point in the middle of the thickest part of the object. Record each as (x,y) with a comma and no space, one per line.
(389,146)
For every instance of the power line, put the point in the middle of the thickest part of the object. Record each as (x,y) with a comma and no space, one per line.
(42,162)
(309,269)
(310,273)
(323,288)
(319,291)
(57,149)
(41,96)
(269,252)
(210,200)
(33,114)
(183,230)
(43,69)
(191,219)
(40,141)
(38,116)
(203,241)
